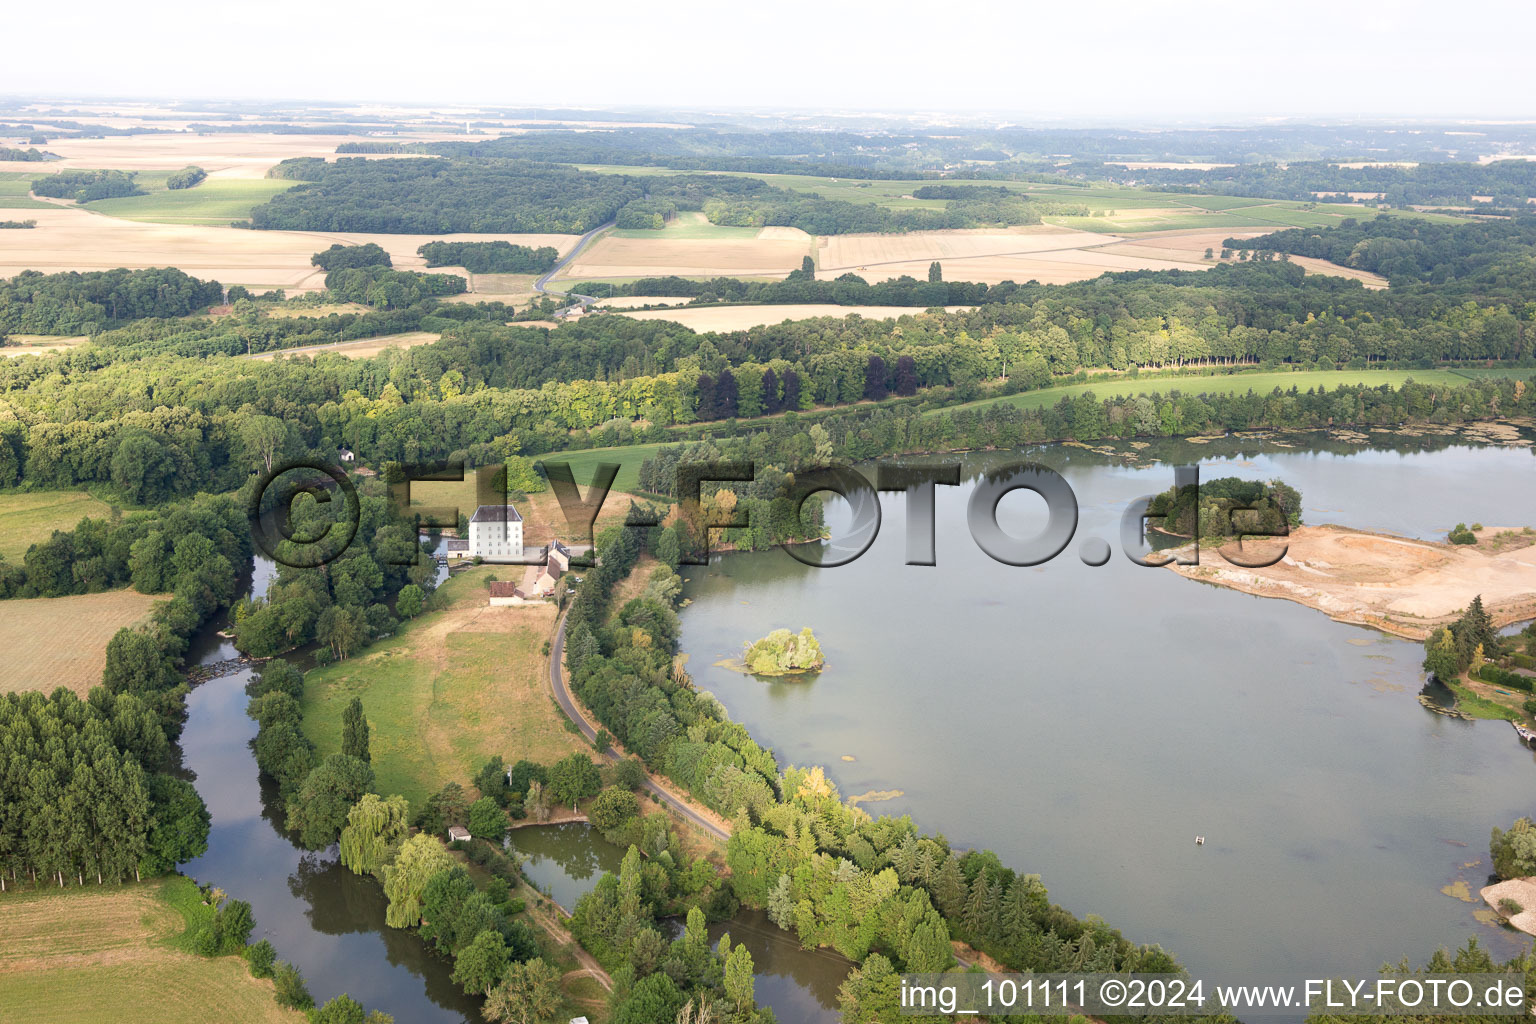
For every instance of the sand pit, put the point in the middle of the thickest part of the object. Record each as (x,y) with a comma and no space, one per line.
(1400,586)
(741,318)
(73,238)
(1523,892)
(360,349)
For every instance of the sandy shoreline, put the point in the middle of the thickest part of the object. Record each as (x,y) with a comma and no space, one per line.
(1395,584)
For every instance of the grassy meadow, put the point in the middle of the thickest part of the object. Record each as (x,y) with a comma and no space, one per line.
(32,516)
(215,201)
(451,689)
(88,954)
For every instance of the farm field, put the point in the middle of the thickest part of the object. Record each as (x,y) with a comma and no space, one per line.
(448,691)
(89,953)
(228,155)
(75,238)
(687,224)
(216,201)
(62,641)
(772,252)
(29,517)
(37,344)
(15,194)
(362,348)
(1261,383)
(741,318)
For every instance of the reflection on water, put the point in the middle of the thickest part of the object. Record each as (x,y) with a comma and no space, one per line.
(1088,723)
(565,860)
(317,914)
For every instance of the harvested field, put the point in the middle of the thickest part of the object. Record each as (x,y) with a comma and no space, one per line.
(1394,584)
(630,301)
(62,641)
(38,344)
(89,953)
(509,288)
(232,155)
(362,348)
(68,237)
(741,318)
(27,517)
(448,691)
(614,257)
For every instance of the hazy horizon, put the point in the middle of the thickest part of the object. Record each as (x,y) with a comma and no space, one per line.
(1194,62)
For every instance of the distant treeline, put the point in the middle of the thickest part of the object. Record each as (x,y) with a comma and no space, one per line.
(847,290)
(17,224)
(87,186)
(28,156)
(491,257)
(76,303)
(1507,182)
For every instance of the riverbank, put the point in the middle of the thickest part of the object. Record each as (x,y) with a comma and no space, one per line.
(1398,585)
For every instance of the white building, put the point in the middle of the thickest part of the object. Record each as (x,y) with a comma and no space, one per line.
(496,533)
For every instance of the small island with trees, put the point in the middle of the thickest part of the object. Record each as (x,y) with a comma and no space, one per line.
(1226,507)
(782,653)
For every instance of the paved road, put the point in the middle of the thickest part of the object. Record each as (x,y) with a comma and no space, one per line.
(581,243)
(568,705)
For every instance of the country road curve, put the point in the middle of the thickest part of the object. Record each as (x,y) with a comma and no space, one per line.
(541,285)
(568,705)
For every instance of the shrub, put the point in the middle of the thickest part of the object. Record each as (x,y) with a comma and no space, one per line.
(1510,907)
(1530,706)
(260,957)
(291,990)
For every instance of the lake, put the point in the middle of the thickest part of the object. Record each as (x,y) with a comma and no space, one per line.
(1088,723)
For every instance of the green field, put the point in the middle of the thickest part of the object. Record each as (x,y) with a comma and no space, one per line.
(15,187)
(448,691)
(26,518)
(584,463)
(1261,383)
(216,201)
(688,224)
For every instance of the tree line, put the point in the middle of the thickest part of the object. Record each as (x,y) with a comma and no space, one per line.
(497,257)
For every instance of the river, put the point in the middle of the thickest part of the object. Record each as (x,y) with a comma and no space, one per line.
(1088,723)
(330,922)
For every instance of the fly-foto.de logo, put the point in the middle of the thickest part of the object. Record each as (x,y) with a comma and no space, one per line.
(497,527)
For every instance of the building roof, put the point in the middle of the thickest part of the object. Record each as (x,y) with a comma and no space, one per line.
(455,543)
(457,832)
(503,588)
(496,514)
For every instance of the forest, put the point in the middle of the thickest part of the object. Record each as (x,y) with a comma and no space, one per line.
(434,196)
(1408,250)
(76,303)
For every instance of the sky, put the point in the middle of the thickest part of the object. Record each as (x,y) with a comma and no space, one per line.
(1113,60)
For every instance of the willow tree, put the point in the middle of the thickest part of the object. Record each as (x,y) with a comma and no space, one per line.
(376,828)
